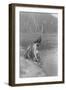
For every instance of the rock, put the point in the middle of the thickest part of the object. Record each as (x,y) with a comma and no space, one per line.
(30,69)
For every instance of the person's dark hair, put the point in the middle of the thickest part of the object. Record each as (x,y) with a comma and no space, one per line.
(38,40)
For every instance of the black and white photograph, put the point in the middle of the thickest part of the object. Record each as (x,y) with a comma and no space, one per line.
(38,44)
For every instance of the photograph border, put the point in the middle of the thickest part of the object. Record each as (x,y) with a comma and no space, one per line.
(12,43)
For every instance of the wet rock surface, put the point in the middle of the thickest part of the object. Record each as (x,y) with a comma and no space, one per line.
(28,68)
(46,67)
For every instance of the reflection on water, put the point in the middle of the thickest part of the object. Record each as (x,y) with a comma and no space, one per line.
(49,62)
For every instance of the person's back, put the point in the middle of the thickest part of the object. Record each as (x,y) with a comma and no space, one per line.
(29,52)
(32,52)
